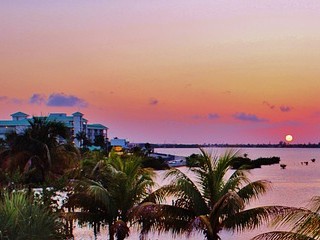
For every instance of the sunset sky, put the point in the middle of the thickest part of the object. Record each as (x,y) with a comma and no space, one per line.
(192,71)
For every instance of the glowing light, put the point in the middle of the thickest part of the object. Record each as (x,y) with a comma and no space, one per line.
(289,138)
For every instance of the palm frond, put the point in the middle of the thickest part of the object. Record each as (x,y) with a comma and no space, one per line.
(302,220)
(234,182)
(281,235)
(314,204)
(227,205)
(183,187)
(201,223)
(161,218)
(252,218)
(211,175)
(253,190)
(99,192)
(157,196)
(23,218)
(92,192)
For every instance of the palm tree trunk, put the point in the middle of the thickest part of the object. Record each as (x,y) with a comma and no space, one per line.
(47,151)
(48,155)
(111,231)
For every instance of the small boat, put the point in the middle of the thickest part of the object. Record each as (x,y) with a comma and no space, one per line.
(176,163)
(313,160)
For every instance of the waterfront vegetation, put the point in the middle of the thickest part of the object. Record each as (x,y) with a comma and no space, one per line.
(46,186)
(238,161)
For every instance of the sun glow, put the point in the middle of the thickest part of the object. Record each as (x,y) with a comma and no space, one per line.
(289,138)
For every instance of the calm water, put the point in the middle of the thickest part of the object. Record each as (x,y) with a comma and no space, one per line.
(293,186)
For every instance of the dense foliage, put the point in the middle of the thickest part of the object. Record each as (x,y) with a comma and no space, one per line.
(23,217)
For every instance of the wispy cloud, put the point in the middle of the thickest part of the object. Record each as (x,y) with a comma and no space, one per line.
(3,98)
(285,108)
(209,116)
(54,100)
(37,98)
(196,117)
(213,116)
(9,100)
(282,108)
(153,101)
(63,100)
(248,117)
(16,101)
(269,105)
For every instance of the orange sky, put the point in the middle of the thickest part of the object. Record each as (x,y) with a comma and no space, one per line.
(167,71)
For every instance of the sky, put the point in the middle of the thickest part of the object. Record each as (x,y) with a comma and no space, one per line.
(167,71)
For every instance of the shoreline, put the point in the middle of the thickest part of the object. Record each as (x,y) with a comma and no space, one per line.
(284,145)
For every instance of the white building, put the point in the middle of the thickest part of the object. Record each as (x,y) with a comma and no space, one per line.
(76,123)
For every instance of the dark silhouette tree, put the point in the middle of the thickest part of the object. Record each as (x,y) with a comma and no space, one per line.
(100,141)
(82,138)
(45,144)
(115,186)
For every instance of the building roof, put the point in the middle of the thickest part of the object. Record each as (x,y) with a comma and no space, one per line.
(19,114)
(12,123)
(77,114)
(57,115)
(96,126)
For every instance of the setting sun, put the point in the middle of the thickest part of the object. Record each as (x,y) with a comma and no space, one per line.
(289,138)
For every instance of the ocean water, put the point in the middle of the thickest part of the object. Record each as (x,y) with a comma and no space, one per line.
(293,186)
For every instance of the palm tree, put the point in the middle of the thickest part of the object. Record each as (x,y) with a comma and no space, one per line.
(38,147)
(82,138)
(304,223)
(46,133)
(23,218)
(114,187)
(212,203)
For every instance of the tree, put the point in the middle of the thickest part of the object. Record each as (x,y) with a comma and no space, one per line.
(39,148)
(82,138)
(99,140)
(303,222)
(213,203)
(114,187)
(23,218)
